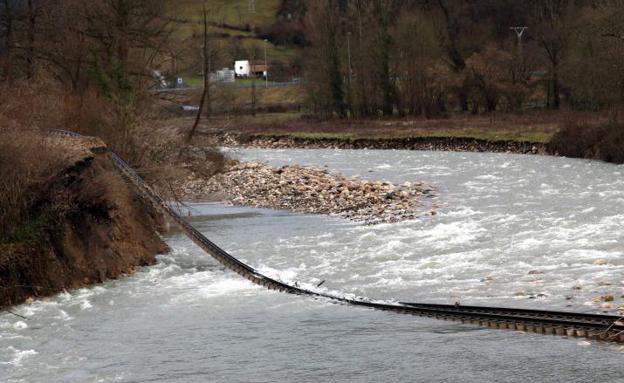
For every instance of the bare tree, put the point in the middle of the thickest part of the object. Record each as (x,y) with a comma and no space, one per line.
(206,73)
(452,36)
(7,26)
(553,31)
(325,85)
(254,92)
(417,54)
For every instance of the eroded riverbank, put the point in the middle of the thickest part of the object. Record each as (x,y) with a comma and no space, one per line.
(88,226)
(423,143)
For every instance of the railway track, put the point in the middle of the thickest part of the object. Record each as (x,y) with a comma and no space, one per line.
(593,326)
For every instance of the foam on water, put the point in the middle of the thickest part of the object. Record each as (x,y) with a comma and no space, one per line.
(511,230)
(17,356)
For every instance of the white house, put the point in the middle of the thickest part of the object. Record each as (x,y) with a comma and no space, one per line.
(246,68)
(242,68)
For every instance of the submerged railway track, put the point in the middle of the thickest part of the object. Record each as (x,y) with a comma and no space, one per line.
(608,328)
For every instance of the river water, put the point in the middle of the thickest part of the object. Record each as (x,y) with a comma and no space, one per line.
(511,230)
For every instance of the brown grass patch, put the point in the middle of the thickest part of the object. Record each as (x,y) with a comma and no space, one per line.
(27,160)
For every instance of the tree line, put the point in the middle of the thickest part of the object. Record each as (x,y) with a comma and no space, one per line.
(361,58)
(369,58)
(94,59)
(103,42)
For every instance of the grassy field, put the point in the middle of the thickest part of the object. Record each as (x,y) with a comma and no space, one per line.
(233,17)
(230,12)
(232,24)
(533,127)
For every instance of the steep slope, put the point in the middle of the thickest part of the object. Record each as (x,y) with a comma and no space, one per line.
(97,228)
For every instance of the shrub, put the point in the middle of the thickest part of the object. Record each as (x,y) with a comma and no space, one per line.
(604,142)
(27,160)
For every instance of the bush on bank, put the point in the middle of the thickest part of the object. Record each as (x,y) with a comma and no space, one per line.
(28,109)
(604,142)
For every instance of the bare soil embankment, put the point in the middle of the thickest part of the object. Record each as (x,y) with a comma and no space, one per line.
(97,228)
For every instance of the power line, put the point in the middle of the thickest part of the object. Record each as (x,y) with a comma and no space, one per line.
(519,32)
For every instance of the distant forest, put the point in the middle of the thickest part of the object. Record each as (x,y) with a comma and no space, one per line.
(429,57)
(359,58)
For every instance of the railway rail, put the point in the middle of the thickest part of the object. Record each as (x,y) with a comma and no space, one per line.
(608,328)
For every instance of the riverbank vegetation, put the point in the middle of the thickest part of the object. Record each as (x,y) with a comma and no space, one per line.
(430,64)
(432,58)
(604,142)
(66,218)
(380,69)
(26,162)
(88,67)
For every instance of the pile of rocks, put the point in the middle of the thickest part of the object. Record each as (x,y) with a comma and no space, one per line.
(451,144)
(310,190)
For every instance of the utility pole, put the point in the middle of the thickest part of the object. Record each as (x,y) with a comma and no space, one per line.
(206,69)
(253,83)
(519,32)
(266,65)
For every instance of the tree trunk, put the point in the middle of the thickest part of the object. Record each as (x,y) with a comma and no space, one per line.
(555,88)
(8,40)
(333,62)
(205,93)
(30,49)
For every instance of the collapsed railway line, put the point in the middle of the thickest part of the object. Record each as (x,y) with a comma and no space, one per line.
(593,326)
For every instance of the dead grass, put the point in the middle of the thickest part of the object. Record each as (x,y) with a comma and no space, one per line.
(535,127)
(231,12)
(26,157)
(27,161)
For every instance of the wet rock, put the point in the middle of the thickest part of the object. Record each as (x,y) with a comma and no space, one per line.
(225,138)
(600,262)
(607,298)
(310,190)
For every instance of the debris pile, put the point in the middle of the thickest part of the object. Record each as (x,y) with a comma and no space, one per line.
(310,190)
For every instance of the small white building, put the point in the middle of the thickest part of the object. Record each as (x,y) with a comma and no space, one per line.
(242,68)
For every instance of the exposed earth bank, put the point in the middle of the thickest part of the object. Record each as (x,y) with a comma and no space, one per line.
(100,229)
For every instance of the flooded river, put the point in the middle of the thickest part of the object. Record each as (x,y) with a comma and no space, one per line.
(521,231)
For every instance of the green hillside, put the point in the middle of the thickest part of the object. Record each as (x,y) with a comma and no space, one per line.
(231,12)
(232,24)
